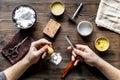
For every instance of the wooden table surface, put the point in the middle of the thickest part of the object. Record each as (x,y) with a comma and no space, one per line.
(45,70)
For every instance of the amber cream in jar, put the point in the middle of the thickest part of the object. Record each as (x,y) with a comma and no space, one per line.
(57,8)
(102,44)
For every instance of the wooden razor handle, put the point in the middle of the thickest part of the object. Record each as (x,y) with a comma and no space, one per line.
(69,66)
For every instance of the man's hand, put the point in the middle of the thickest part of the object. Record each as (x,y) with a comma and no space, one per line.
(38,49)
(86,55)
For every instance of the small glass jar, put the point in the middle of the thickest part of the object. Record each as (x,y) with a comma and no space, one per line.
(56,58)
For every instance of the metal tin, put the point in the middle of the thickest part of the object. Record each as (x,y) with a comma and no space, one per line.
(57,8)
(102,44)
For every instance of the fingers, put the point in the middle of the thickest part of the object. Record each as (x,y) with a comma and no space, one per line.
(80,53)
(80,47)
(41,42)
(73,53)
(44,55)
(76,62)
(73,58)
(69,48)
(76,58)
(42,50)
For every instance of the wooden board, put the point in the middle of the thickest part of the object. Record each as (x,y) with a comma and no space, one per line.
(45,70)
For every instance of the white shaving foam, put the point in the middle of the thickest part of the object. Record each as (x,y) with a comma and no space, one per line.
(25,17)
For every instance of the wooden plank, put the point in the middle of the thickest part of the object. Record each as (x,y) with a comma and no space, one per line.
(45,70)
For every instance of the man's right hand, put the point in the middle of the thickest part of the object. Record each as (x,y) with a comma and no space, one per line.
(86,55)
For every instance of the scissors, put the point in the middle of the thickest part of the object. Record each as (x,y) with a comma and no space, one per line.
(14,51)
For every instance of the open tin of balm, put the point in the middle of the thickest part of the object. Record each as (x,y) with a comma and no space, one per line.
(84,28)
(57,8)
(102,44)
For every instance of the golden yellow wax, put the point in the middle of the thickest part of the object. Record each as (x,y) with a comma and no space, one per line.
(102,44)
(57,8)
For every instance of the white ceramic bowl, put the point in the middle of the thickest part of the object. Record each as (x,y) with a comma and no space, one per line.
(84,28)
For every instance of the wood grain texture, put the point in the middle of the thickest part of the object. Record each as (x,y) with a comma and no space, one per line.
(45,70)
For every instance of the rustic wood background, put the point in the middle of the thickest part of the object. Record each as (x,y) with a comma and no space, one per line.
(45,70)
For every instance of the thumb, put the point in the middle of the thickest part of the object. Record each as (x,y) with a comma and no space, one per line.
(80,53)
(42,50)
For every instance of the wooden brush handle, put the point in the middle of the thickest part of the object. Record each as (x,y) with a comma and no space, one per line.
(64,73)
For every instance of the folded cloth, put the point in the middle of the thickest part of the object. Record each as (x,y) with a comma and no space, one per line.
(108,15)
(22,49)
